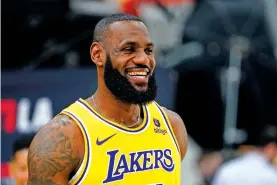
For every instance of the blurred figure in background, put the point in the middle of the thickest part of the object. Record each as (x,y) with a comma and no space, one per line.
(208,163)
(18,168)
(255,167)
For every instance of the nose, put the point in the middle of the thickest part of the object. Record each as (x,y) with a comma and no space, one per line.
(141,58)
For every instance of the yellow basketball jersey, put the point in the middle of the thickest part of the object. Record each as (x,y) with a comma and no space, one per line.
(146,155)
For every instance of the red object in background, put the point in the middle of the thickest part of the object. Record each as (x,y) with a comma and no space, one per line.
(8,112)
(131,6)
(5,170)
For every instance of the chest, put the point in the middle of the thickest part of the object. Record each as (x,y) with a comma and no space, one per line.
(117,156)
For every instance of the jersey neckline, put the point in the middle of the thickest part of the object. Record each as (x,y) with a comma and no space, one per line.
(140,128)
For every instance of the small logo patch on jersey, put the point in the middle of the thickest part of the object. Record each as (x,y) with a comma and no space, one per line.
(156,122)
(104,140)
(157,129)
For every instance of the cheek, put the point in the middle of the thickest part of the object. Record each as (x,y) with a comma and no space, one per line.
(121,65)
(153,64)
(120,69)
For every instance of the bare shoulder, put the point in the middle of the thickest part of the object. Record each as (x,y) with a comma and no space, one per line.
(179,129)
(54,152)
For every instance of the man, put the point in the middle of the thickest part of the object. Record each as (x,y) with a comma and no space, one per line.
(254,168)
(208,163)
(17,167)
(119,135)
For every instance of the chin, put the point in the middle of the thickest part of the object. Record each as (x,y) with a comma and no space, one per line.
(141,88)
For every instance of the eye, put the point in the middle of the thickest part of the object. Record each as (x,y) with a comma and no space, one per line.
(129,49)
(149,51)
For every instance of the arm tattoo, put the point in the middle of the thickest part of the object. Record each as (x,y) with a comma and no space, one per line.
(51,153)
(44,182)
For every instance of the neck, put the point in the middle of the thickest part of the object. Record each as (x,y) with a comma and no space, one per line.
(113,109)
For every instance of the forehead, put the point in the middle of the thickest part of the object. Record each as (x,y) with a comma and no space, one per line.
(129,31)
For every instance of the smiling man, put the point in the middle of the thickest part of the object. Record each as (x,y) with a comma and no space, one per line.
(119,135)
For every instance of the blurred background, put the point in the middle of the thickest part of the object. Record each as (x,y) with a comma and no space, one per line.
(217,68)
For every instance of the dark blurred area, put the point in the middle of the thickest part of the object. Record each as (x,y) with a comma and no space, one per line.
(44,34)
(214,24)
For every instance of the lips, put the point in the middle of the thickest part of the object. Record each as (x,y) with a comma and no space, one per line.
(138,75)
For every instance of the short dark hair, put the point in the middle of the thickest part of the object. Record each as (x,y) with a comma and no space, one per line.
(268,135)
(103,25)
(22,142)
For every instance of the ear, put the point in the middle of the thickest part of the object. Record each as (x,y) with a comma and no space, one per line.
(97,54)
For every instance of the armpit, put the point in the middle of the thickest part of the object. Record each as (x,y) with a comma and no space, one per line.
(179,129)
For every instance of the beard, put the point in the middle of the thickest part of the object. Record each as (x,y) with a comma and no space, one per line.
(123,90)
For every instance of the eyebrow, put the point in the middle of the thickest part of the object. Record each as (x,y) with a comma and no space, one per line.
(150,44)
(132,43)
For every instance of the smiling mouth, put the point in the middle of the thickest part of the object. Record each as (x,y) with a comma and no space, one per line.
(138,76)
(137,73)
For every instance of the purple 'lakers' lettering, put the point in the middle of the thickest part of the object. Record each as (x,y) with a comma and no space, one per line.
(136,162)
(147,165)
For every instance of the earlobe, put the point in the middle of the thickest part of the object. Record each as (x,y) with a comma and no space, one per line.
(95,54)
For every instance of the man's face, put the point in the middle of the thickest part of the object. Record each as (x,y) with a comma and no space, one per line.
(124,90)
(270,151)
(19,167)
(274,155)
(129,68)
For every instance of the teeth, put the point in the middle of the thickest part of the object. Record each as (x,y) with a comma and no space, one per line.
(137,73)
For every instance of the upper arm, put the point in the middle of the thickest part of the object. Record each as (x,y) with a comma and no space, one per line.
(54,152)
(179,130)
